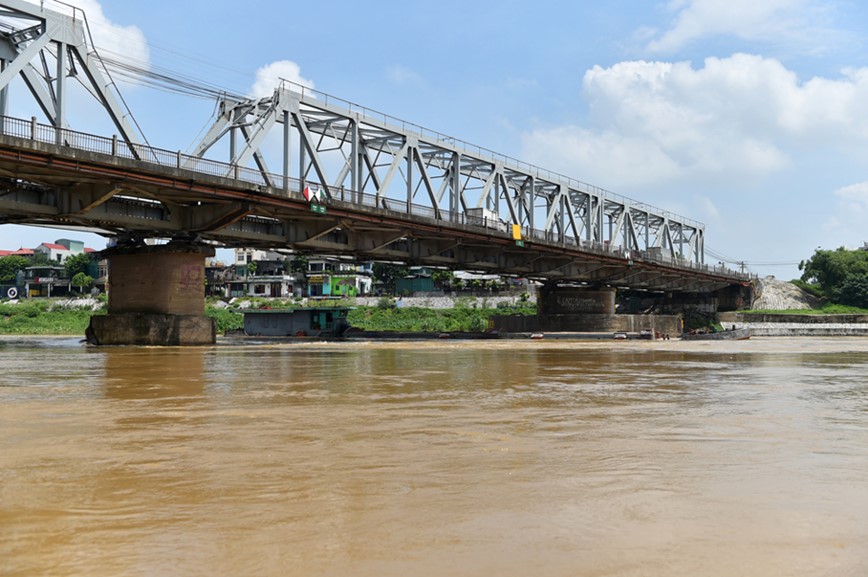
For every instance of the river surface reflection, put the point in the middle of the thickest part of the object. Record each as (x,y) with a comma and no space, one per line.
(436,458)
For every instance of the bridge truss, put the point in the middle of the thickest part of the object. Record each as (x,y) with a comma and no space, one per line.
(343,148)
(46,49)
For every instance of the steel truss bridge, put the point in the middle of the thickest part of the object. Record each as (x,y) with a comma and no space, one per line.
(386,190)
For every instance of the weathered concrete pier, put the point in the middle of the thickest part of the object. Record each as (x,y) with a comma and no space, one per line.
(584,310)
(156,296)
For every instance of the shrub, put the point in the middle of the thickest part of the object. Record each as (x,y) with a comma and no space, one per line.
(225,319)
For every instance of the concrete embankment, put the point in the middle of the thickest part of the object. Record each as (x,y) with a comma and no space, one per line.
(797,325)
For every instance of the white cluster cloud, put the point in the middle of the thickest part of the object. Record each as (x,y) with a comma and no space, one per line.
(795,23)
(849,219)
(854,197)
(268,77)
(745,115)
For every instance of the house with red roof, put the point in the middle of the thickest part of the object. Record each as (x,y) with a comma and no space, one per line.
(62,249)
(51,279)
(55,252)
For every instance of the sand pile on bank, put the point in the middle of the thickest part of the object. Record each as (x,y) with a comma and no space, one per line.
(778,295)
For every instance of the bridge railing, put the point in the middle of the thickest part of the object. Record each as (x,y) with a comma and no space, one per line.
(32,130)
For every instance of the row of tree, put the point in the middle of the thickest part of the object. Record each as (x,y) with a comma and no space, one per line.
(75,267)
(840,276)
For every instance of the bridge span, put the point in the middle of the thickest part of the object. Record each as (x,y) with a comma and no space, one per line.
(351,181)
(142,192)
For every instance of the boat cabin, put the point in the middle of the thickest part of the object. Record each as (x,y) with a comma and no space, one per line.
(300,322)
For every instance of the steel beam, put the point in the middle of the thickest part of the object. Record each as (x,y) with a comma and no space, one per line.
(53,37)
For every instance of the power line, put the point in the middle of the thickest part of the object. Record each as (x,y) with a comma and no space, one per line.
(744,264)
(163,79)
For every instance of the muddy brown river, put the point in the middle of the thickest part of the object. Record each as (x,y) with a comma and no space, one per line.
(446,458)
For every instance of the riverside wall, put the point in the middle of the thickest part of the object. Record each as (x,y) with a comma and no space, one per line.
(796,325)
(588,323)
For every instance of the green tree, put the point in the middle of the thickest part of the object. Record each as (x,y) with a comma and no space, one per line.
(442,278)
(77,263)
(841,275)
(81,280)
(854,291)
(40,259)
(387,274)
(10,265)
(298,263)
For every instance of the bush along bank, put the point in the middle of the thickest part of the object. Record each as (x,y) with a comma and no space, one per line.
(385,316)
(72,316)
(415,319)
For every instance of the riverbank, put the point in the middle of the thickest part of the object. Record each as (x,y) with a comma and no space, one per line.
(466,315)
(48,316)
(404,316)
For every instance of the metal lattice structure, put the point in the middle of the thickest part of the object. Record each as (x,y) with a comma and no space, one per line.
(46,49)
(344,147)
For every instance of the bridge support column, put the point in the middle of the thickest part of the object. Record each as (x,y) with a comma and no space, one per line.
(156,296)
(576,309)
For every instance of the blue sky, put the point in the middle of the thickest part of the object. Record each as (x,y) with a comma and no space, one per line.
(751,117)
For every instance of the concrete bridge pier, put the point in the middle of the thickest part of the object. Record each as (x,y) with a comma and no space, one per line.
(576,309)
(156,296)
(593,310)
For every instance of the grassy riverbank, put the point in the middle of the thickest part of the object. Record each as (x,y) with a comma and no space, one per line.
(48,317)
(44,317)
(63,317)
(414,319)
(71,317)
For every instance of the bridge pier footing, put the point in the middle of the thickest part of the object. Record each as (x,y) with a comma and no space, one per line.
(585,310)
(576,309)
(156,296)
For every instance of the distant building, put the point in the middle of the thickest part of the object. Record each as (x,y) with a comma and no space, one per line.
(336,278)
(248,255)
(325,277)
(273,286)
(46,281)
(55,252)
(419,280)
(62,249)
(52,279)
